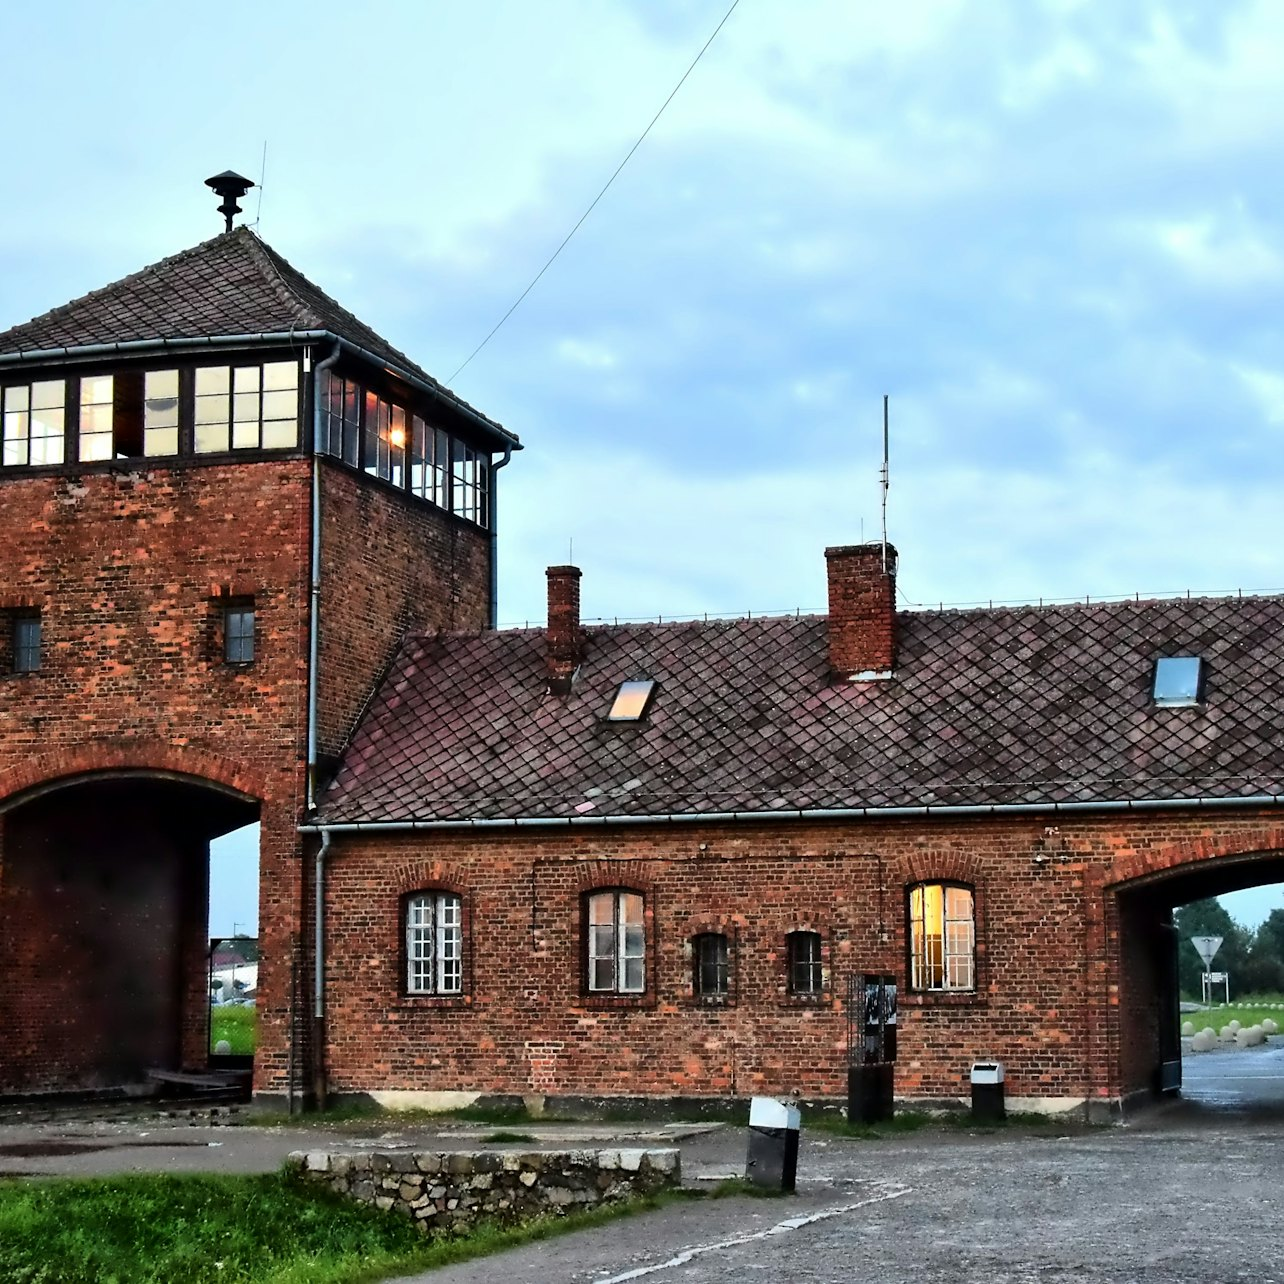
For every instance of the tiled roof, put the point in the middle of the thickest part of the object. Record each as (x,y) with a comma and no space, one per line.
(232,284)
(1031,705)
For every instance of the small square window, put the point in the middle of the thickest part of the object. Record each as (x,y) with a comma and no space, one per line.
(1179,681)
(631,701)
(238,635)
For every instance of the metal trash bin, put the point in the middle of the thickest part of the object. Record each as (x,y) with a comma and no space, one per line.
(987,1091)
(772,1162)
(870,1092)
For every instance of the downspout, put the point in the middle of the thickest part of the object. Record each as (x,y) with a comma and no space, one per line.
(318,975)
(314,592)
(314,686)
(494,535)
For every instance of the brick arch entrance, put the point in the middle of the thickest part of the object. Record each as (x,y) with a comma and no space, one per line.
(1143,944)
(104,878)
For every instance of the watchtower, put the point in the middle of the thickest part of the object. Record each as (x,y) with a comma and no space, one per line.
(223,501)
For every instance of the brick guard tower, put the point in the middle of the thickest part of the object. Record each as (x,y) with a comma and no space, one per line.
(223,502)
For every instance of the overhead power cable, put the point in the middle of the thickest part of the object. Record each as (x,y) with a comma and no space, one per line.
(593,205)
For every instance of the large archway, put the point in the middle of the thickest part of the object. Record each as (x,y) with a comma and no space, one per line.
(103,927)
(1149,1017)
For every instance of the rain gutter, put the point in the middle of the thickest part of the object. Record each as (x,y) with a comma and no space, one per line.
(927,811)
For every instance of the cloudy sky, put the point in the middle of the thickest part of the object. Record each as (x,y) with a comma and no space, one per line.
(1051,232)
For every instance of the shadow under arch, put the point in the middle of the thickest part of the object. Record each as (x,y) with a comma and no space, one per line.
(104,894)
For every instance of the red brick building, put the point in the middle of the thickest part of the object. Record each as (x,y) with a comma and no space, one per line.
(224,501)
(248,571)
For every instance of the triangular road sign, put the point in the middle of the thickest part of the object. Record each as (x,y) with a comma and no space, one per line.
(1207,946)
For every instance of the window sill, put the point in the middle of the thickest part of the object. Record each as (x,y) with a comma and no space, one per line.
(714,1001)
(821,1000)
(943,999)
(610,1001)
(418,1002)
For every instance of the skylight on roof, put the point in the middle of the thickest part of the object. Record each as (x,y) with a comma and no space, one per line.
(1179,681)
(631,701)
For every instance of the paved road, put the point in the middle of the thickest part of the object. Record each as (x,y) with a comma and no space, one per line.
(1188,1193)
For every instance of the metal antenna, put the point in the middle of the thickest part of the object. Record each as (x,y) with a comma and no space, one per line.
(258,209)
(883,477)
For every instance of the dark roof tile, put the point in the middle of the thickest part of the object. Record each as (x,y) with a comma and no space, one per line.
(232,284)
(986,707)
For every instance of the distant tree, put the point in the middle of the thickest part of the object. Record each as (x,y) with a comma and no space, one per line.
(1265,970)
(1210,918)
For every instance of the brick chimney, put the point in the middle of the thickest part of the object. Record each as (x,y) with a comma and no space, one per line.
(563,638)
(862,611)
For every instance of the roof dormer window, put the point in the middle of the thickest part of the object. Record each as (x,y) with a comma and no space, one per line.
(631,701)
(1179,681)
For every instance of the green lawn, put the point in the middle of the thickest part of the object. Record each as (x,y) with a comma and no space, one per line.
(226,1230)
(235,1024)
(1246,1014)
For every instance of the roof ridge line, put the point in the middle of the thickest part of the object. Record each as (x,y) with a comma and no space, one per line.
(309,319)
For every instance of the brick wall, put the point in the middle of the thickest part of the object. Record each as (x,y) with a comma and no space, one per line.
(390,566)
(131,570)
(1047,992)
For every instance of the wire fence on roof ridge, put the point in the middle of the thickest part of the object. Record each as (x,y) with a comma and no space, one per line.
(978,604)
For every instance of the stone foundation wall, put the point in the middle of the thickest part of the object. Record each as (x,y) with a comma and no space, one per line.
(454,1189)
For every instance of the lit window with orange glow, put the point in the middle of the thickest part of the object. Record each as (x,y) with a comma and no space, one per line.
(942,932)
(631,701)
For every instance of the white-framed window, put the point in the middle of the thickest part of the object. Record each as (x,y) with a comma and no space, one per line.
(33,427)
(253,407)
(616,923)
(434,943)
(942,937)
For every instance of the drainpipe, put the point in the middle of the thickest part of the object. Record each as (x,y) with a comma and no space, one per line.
(314,597)
(494,535)
(314,687)
(318,975)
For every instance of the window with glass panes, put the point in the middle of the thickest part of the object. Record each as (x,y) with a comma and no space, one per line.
(434,943)
(238,634)
(342,408)
(470,475)
(942,937)
(26,643)
(712,966)
(33,427)
(429,463)
(806,976)
(160,412)
(97,418)
(616,943)
(249,407)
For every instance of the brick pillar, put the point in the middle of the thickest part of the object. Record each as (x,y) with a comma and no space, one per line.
(862,610)
(563,638)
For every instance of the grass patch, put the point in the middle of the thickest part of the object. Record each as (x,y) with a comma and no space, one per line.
(238,1025)
(233,1230)
(1247,1013)
(902,1122)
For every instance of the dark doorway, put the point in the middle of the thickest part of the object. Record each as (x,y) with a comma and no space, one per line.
(103,939)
